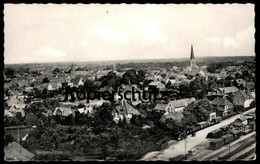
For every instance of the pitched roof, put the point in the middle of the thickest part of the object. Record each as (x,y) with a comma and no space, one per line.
(160,106)
(182,102)
(177,116)
(244,95)
(250,85)
(126,108)
(64,110)
(129,109)
(12,100)
(177,103)
(76,80)
(201,73)
(181,76)
(15,151)
(221,101)
(242,118)
(155,83)
(229,89)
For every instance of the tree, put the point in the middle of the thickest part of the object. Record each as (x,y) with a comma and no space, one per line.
(45,80)
(9,72)
(201,109)
(104,144)
(70,120)
(141,75)
(137,120)
(130,76)
(31,119)
(188,119)
(8,139)
(56,71)
(110,80)
(198,87)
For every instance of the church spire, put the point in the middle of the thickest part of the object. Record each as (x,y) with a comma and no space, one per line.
(192,58)
(191,53)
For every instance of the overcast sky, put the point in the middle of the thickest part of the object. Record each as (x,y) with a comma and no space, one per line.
(50,33)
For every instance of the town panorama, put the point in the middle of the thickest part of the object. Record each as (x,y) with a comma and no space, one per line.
(180,109)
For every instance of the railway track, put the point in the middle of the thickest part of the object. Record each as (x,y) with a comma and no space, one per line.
(214,154)
(245,155)
(236,150)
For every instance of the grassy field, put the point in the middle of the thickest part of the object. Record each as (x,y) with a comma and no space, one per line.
(14,132)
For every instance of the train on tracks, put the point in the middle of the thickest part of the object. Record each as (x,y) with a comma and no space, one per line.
(227,134)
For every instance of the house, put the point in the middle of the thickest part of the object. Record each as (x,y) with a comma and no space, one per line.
(171,82)
(15,152)
(242,119)
(7,113)
(160,107)
(228,90)
(154,85)
(180,77)
(231,68)
(18,108)
(177,116)
(124,110)
(88,109)
(223,105)
(212,116)
(171,75)
(46,112)
(174,106)
(158,77)
(11,101)
(250,86)
(28,89)
(47,86)
(63,111)
(54,85)
(240,98)
(22,83)
(78,81)
(84,73)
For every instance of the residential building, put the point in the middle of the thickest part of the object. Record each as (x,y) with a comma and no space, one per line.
(240,98)
(223,105)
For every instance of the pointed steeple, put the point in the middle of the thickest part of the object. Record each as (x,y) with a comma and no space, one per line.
(191,53)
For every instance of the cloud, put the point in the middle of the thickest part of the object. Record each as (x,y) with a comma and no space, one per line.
(228,42)
(246,34)
(146,31)
(110,35)
(49,54)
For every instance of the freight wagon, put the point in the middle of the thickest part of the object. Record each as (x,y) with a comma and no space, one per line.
(215,134)
(228,138)
(236,133)
(217,120)
(203,124)
(216,143)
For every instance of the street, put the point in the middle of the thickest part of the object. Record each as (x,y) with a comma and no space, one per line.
(179,147)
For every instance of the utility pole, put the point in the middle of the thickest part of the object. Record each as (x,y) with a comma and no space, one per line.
(18,136)
(229,150)
(185,135)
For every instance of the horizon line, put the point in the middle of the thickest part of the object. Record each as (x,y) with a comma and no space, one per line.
(51,62)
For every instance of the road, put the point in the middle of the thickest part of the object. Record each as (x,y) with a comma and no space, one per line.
(179,147)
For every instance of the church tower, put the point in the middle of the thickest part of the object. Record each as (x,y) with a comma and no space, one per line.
(72,69)
(192,59)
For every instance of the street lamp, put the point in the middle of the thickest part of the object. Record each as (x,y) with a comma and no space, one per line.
(229,143)
(185,136)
